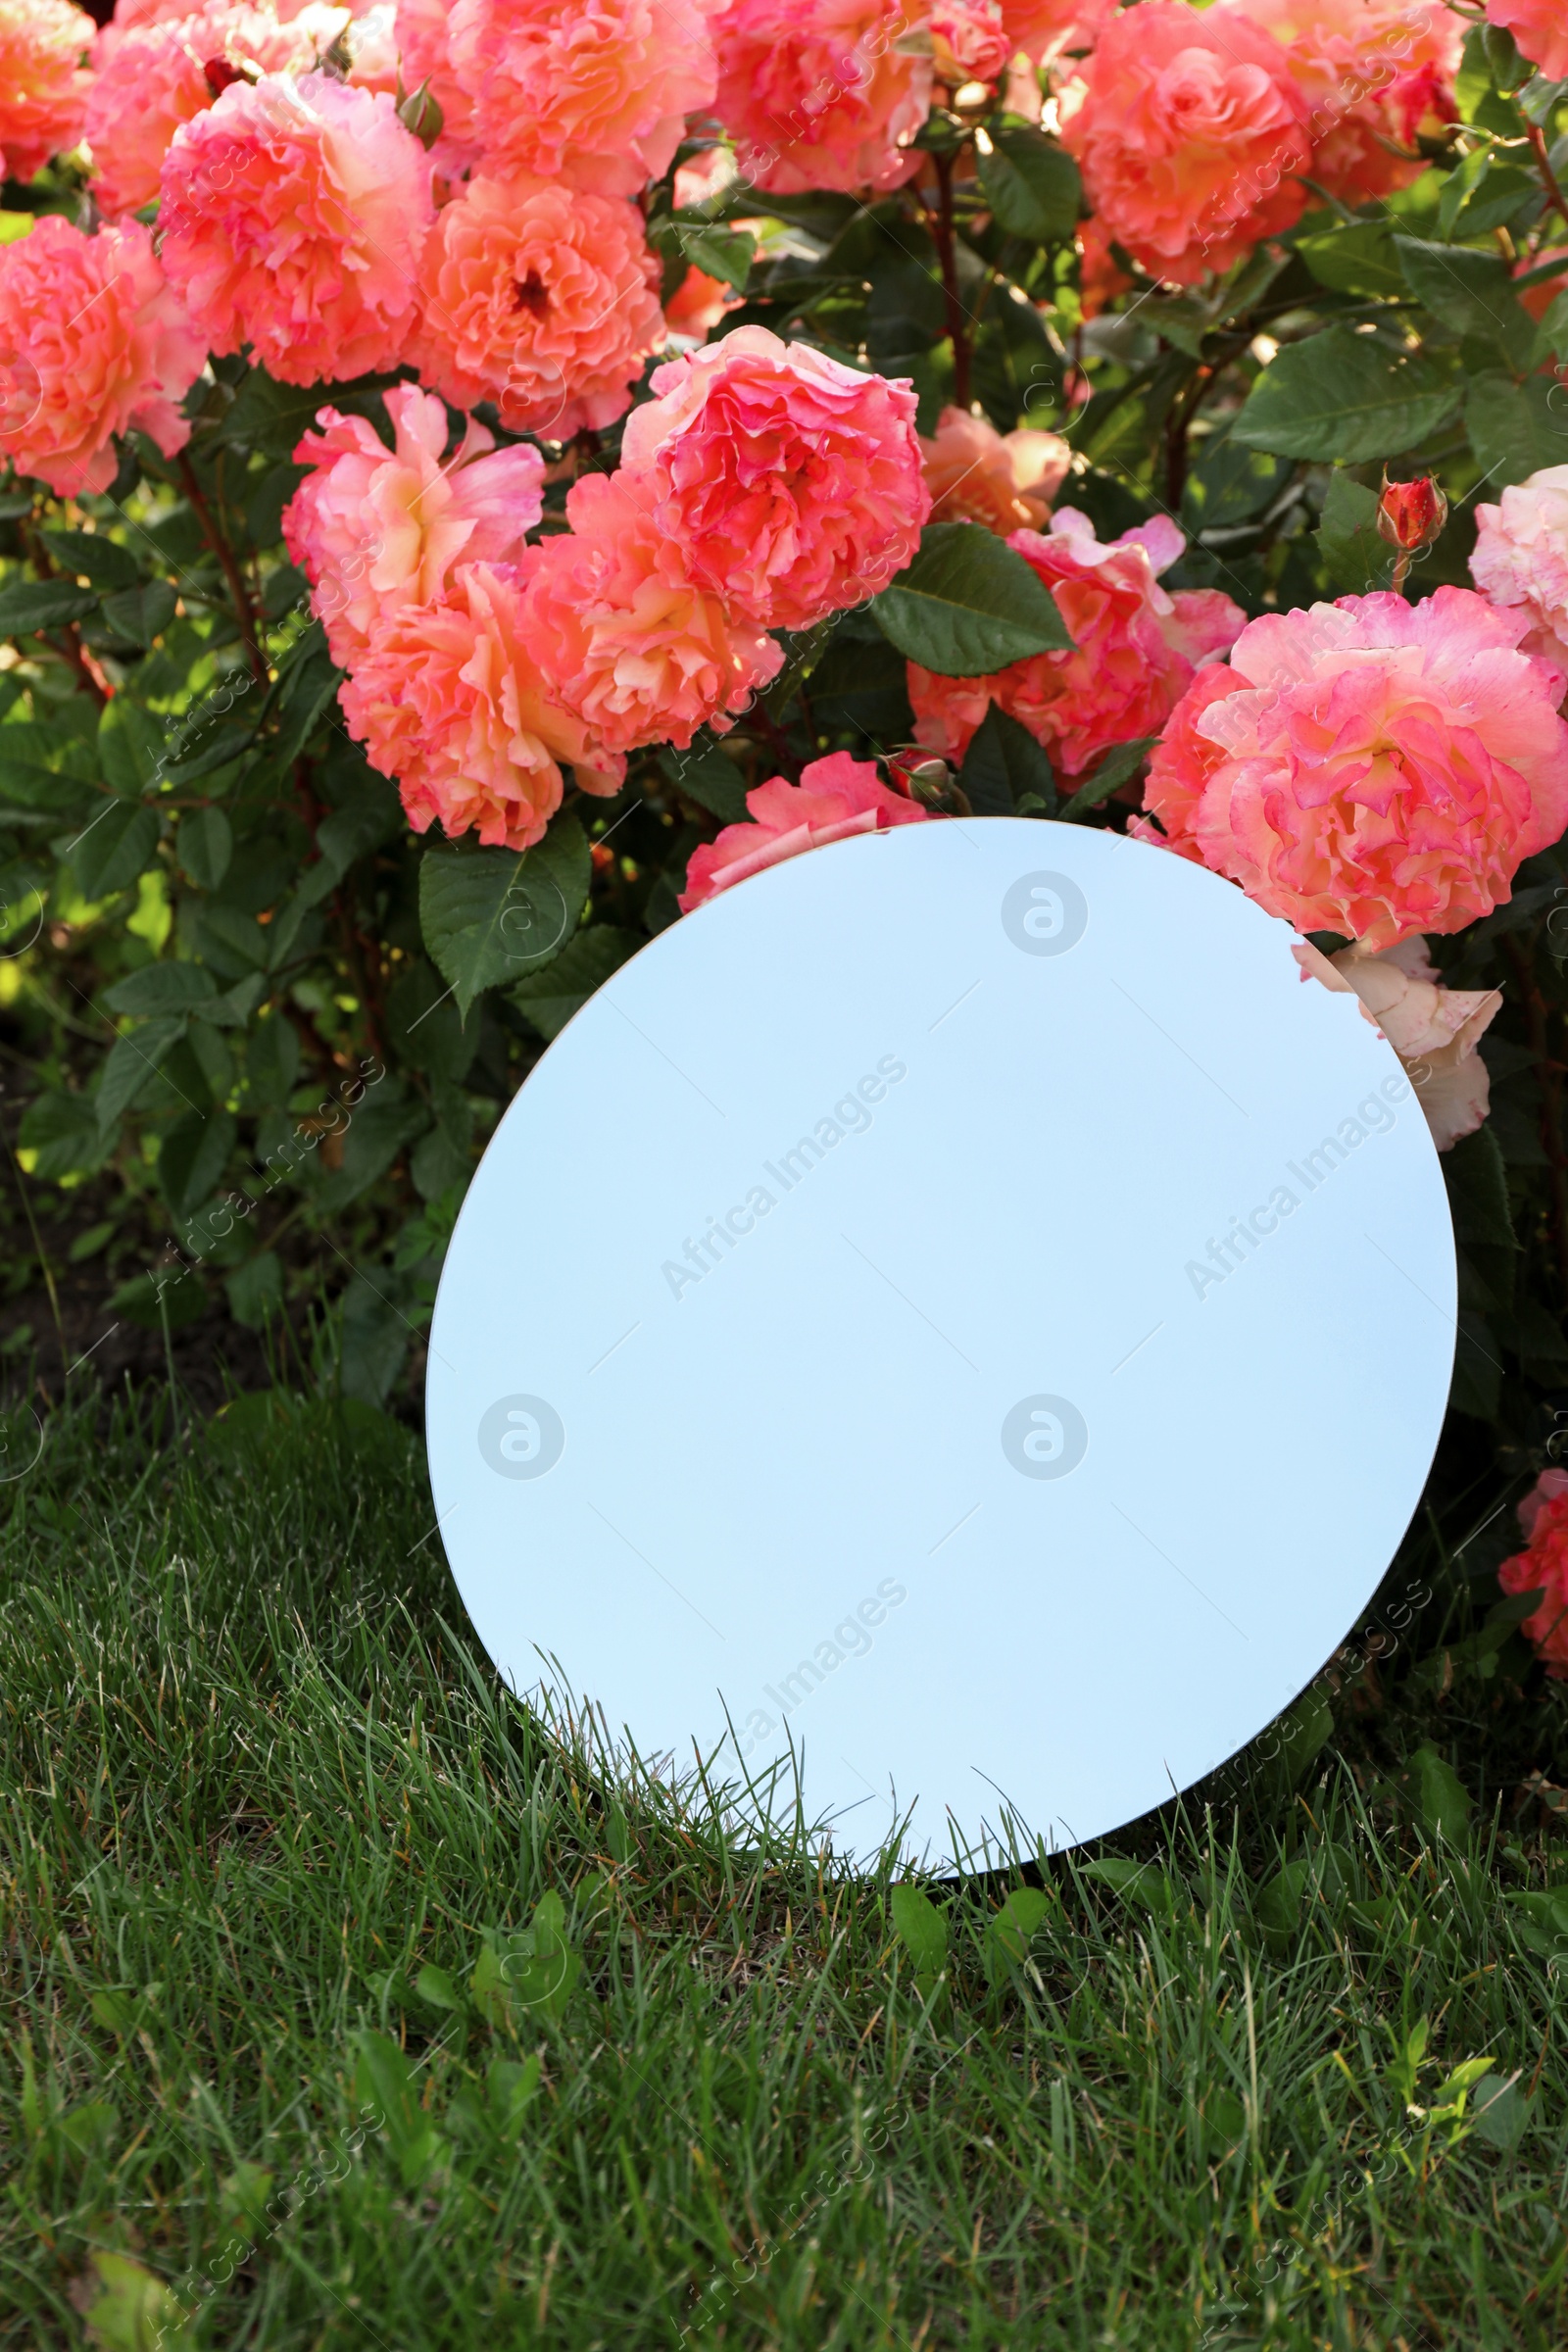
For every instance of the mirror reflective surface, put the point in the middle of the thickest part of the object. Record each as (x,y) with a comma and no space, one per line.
(958,1313)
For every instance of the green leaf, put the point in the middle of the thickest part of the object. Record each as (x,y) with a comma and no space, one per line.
(1478,1192)
(62,1131)
(106,563)
(384,2082)
(132,2310)
(923,1930)
(1141,1882)
(708,776)
(130,744)
(436,1989)
(1031,185)
(204,846)
(193,1158)
(139,615)
(378,1128)
(1324,1872)
(1003,763)
(510,2090)
(1117,767)
(1472,293)
(722,253)
(1502,2115)
(1011,1929)
(134,1060)
(1345,398)
(1353,556)
(1436,1796)
(968,604)
(306,685)
(172,987)
(271,418)
(31,604)
(256,1290)
(552,996)
(1517,429)
(424,1025)
(1229,484)
(1540,1917)
(1356,260)
(1303,1733)
(111,850)
(497,914)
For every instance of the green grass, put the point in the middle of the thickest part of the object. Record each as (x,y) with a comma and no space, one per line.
(260,1785)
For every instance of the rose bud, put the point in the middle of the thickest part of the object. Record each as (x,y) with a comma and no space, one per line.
(1410,514)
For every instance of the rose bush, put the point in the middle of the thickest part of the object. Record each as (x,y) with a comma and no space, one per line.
(458,460)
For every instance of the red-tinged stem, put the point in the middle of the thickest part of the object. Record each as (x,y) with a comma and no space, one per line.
(947,256)
(244,610)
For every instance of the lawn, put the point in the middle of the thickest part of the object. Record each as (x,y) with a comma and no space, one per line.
(346,2008)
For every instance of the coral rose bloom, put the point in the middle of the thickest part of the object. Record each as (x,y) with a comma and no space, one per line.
(1190,135)
(1369,71)
(793,484)
(294,214)
(374,529)
(153,78)
(597,90)
(627,640)
(970,41)
(1005,481)
(450,702)
(44,89)
(1520,557)
(1375,768)
(821,93)
(835,798)
(541,299)
(1043,28)
(91,343)
(1133,654)
(1544,1568)
(1540,30)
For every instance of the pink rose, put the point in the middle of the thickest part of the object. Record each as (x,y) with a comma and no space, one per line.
(374,529)
(1520,558)
(594,90)
(1544,1568)
(1435,1030)
(1371,71)
(1540,30)
(822,93)
(835,797)
(628,641)
(1377,769)
(791,483)
(970,40)
(539,298)
(976,474)
(44,89)
(697,306)
(1547,1489)
(92,342)
(1044,28)
(154,78)
(1135,646)
(1191,138)
(449,701)
(294,214)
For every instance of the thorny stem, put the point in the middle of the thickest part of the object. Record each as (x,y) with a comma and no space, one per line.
(1538,148)
(942,231)
(1181,417)
(87,672)
(1548,1072)
(244,610)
